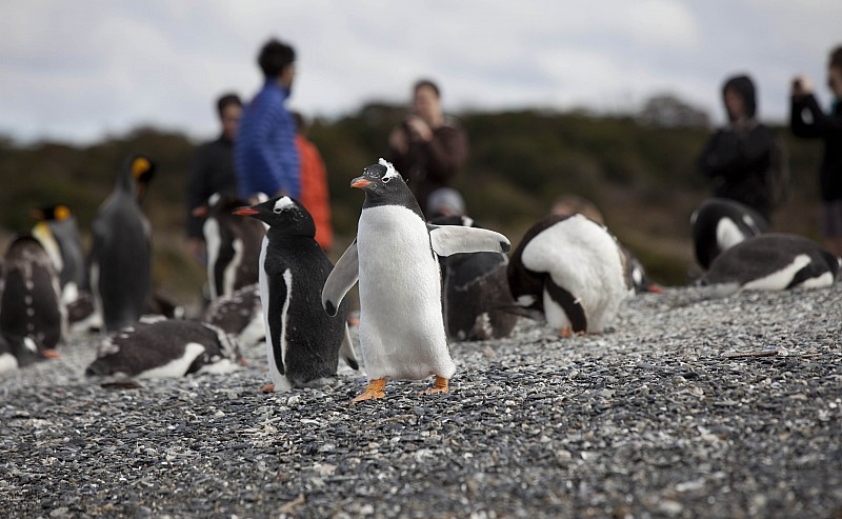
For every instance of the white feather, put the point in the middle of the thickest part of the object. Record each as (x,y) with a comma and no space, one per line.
(401,325)
(8,362)
(390,169)
(176,367)
(213,242)
(728,234)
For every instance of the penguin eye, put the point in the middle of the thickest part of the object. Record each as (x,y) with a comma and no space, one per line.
(277,210)
(386,180)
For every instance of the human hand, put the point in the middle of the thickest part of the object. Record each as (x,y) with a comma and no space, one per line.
(418,129)
(801,86)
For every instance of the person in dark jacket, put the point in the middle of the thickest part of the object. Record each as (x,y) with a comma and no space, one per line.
(212,170)
(738,156)
(428,149)
(807,120)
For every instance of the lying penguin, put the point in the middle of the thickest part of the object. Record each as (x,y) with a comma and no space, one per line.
(165,349)
(719,224)
(18,352)
(394,258)
(31,303)
(475,291)
(233,245)
(573,271)
(303,344)
(239,314)
(772,261)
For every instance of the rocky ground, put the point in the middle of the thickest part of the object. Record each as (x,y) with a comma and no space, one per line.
(688,408)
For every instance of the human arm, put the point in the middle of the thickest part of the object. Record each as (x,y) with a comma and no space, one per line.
(819,125)
(446,152)
(735,154)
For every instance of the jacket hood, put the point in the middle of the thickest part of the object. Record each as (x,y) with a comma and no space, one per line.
(745,87)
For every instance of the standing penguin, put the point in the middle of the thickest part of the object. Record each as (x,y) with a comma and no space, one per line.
(572,270)
(772,261)
(475,291)
(402,332)
(17,352)
(31,302)
(303,344)
(719,224)
(233,245)
(57,230)
(121,262)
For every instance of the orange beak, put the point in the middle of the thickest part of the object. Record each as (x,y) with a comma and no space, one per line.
(200,211)
(360,182)
(245,211)
(51,354)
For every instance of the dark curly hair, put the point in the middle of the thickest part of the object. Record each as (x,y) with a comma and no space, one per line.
(274,56)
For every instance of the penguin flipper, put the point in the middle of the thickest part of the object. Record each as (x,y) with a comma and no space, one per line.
(452,239)
(343,276)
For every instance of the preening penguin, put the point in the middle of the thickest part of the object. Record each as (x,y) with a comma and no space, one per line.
(165,348)
(58,232)
(773,261)
(31,302)
(303,344)
(121,262)
(394,259)
(719,224)
(233,245)
(475,291)
(571,269)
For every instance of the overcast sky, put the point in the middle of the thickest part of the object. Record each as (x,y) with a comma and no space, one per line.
(80,70)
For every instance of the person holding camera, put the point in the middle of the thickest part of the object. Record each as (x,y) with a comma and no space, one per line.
(427,148)
(807,120)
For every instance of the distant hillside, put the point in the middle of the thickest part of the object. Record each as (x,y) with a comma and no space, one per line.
(641,175)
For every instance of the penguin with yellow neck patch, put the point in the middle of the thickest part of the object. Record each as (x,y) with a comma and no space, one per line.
(121,262)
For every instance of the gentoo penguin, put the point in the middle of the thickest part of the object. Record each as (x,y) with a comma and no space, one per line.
(303,344)
(57,230)
(637,275)
(475,291)
(165,348)
(571,269)
(773,261)
(402,332)
(239,314)
(31,303)
(719,224)
(121,263)
(17,352)
(233,245)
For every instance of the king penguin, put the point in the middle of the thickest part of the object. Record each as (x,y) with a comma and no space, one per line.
(402,333)
(571,269)
(57,229)
(303,344)
(233,245)
(31,302)
(719,224)
(121,262)
(772,261)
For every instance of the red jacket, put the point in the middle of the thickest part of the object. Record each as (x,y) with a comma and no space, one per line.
(314,194)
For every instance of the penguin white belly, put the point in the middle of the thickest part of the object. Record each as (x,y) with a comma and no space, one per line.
(8,362)
(281,382)
(213,242)
(401,324)
(728,234)
(581,257)
(780,279)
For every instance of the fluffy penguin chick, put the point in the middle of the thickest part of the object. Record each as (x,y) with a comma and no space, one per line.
(402,333)
(572,270)
(303,344)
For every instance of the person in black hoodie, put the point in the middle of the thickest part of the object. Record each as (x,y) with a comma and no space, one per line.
(738,156)
(808,121)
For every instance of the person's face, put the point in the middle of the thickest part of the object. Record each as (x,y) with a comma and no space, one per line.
(426,104)
(231,120)
(287,76)
(735,104)
(834,80)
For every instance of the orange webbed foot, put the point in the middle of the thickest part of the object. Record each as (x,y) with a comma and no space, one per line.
(268,388)
(375,390)
(441,386)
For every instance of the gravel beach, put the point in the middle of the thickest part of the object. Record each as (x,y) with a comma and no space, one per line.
(689,407)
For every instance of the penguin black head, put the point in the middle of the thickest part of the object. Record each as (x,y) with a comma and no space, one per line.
(283,214)
(383,185)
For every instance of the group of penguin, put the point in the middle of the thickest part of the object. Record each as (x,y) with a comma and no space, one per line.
(420,283)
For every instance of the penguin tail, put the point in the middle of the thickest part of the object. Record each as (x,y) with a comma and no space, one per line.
(346,351)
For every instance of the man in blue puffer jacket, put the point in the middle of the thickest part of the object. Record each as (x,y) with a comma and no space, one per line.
(265,155)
